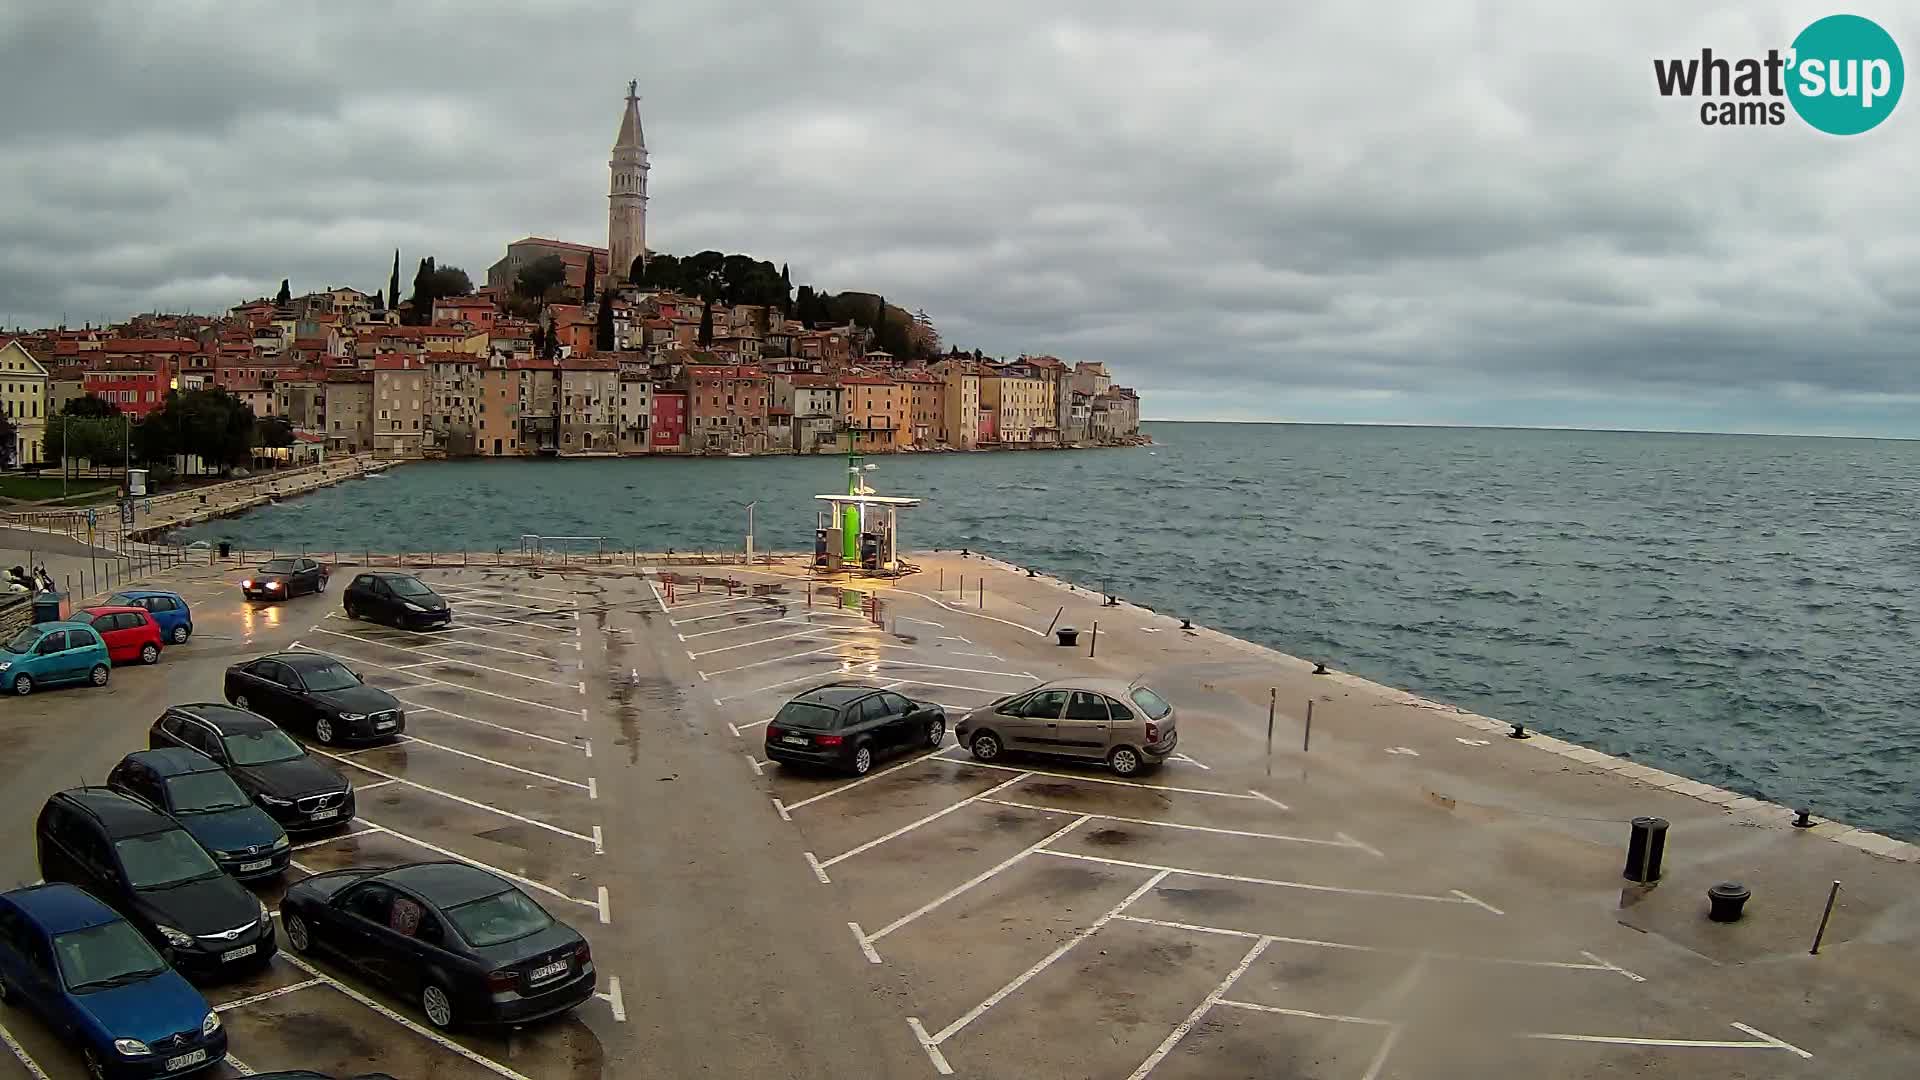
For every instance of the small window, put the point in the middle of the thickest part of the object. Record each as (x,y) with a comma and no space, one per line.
(1150,703)
(1045,705)
(372,902)
(1085,706)
(52,643)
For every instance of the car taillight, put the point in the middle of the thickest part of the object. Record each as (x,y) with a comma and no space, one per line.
(583,954)
(774,732)
(1153,732)
(826,740)
(498,981)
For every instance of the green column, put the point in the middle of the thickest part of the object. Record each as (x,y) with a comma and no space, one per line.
(850,514)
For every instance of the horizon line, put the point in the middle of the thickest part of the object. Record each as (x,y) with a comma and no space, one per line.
(1540,427)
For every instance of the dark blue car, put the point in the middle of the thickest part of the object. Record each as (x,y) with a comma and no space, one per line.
(195,791)
(169,609)
(99,985)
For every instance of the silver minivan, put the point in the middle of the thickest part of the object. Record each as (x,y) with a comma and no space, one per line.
(1126,725)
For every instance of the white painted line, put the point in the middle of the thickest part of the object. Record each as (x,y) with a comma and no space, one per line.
(803,655)
(1181,825)
(268,995)
(1781,1043)
(1337,1017)
(1386,1048)
(759,622)
(240,1067)
(922,622)
(1263,797)
(616,999)
(476,804)
(1308,886)
(32,1066)
(527,609)
(910,826)
(781,808)
(494,630)
(443,640)
(1222,931)
(943,667)
(1368,848)
(933,1050)
(593,788)
(734,730)
(1766,1042)
(827,675)
(467,591)
(498,764)
(1097,779)
(752,762)
(375,784)
(981,655)
(1061,950)
(870,777)
(483,723)
(964,611)
(771,640)
(585,744)
(1610,966)
(428,680)
(1190,761)
(974,880)
(866,945)
(752,604)
(606,913)
(457,857)
(1473,900)
(427,1033)
(433,658)
(1180,1030)
(333,839)
(520,622)
(599,842)
(818,870)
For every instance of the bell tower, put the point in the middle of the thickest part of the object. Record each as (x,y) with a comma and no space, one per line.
(627,192)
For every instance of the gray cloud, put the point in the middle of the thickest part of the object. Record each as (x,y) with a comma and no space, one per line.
(1424,212)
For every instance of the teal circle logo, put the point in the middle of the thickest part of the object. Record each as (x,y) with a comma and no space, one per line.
(1846,75)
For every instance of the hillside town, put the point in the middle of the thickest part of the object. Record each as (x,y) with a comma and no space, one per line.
(572,350)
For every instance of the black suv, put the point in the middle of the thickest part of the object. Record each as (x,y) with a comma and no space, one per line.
(313,692)
(396,599)
(848,726)
(152,871)
(302,794)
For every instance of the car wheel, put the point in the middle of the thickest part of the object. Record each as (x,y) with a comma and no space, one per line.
(985,746)
(299,938)
(240,702)
(94,1068)
(1125,761)
(149,653)
(936,732)
(99,675)
(437,1005)
(862,760)
(181,633)
(23,685)
(323,730)
(351,612)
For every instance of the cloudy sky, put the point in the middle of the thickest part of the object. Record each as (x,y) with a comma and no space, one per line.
(1427,211)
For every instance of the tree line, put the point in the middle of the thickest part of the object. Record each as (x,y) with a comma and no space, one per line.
(212,425)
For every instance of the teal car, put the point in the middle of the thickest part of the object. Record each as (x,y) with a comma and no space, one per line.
(54,654)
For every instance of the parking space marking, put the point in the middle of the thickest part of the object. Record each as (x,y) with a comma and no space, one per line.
(932,1048)
(738,728)
(20,1054)
(375,784)
(863,780)
(691,655)
(866,943)
(1476,900)
(457,857)
(1222,931)
(1611,966)
(332,839)
(429,1034)
(266,995)
(808,621)
(761,608)
(907,828)
(1193,828)
(429,680)
(754,763)
(1306,885)
(614,999)
(1309,1014)
(600,902)
(844,644)
(1764,1041)
(515,634)
(1106,780)
(239,1066)
(475,803)
(868,940)
(1190,761)
(420,650)
(464,591)
(1207,1003)
(484,723)
(789,682)
(819,871)
(1062,949)
(752,604)
(514,622)
(974,614)
(1264,797)
(442,640)
(587,787)
(557,612)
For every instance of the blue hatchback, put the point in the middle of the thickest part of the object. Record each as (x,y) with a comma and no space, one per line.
(169,610)
(98,984)
(54,654)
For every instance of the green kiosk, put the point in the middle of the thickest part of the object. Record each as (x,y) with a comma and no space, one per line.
(859,530)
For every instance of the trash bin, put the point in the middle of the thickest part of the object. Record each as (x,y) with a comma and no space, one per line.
(1068,635)
(46,607)
(226,549)
(1646,845)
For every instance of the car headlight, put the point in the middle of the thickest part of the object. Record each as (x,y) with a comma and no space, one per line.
(176,938)
(266,913)
(282,844)
(411,606)
(131,1048)
(268,800)
(246,583)
(5,664)
(211,1024)
(273,584)
(352,717)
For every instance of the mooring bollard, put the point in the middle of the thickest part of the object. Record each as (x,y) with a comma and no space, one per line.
(1186,624)
(1824,916)
(1319,668)
(1068,635)
(1726,900)
(1646,847)
(1804,819)
(1519,732)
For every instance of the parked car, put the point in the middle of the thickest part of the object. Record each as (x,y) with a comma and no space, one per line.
(197,793)
(396,599)
(467,945)
(169,609)
(146,867)
(313,692)
(130,632)
(99,985)
(849,726)
(278,579)
(309,1074)
(54,654)
(1124,724)
(300,793)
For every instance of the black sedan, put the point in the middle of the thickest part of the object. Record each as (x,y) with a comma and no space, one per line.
(277,579)
(298,792)
(467,945)
(396,599)
(313,692)
(849,726)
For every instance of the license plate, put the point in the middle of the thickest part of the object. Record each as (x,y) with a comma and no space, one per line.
(797,740)
(250,867)
(322,815)
(548,972)
(386,725)
(240,953)
(184,1060)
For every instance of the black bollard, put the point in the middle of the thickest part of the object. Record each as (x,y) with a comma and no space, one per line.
(1804,820)
(1319,668)
(1646,846)
(1519,732)
(1068,635)
(1186,624)
(1726,900)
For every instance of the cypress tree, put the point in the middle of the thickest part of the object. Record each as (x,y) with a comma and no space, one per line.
(586,290)
(603,330)
(286,295)
(393,282)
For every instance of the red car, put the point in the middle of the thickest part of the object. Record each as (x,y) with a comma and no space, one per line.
(130,632)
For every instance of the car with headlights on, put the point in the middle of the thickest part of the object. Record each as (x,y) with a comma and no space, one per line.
(145,866)
(302,794)
(1127,725)
(278,579)
(312,692)
(196,792)
(468,946)
(98,985)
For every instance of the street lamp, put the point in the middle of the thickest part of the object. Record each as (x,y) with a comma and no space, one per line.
(750,507)
(179,430)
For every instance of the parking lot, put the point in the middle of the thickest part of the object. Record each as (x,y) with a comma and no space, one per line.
(495,769)
(1050,919)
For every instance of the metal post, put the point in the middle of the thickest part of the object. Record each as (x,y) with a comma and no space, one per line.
(1824,916)
(1307,739)
(1272,695)
(943,579)
(983,592)
(1094,643)
(1056,618)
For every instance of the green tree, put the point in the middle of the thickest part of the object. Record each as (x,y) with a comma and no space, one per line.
(803,306)
(540,276)
(7,438)
(586,288)
(91,405)
(98,440)
(393,282)
(285,296)
(272,431)
(603,325)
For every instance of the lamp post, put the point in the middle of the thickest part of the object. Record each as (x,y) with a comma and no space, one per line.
(179,430)
(750,507)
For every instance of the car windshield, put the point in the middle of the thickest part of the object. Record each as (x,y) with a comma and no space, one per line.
(261,747)
(327,677)
(277,566)
(99,957)
(1150,703)
(803,714)
(121,599)
(406,586)
(24,641)
(204,793)
(166,858)
(498,918)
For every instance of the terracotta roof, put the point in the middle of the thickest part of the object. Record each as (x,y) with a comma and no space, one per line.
(815,381)
(558,244)
(393,362)
(590,363)
(724,371)
(440,357)
(150,345)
